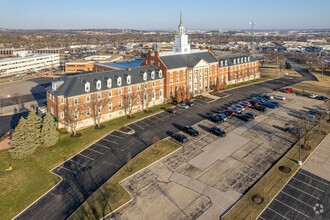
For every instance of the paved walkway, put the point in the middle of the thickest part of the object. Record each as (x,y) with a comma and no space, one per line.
(319,162)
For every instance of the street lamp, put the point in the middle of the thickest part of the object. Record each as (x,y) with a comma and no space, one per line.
(299,161)
(252,23)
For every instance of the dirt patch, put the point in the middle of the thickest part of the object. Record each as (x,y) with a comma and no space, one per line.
(219,94)
(125,129)
(75,136)
(130,117)
(99,127)
(306,147)
(256,198)
(203,98)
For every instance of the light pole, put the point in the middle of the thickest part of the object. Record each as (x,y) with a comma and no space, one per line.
(252,23)
(299,161)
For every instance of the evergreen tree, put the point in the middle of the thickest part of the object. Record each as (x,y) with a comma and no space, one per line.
(33,122)
(49,134)
(20,146)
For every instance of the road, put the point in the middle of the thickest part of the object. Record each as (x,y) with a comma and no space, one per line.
(87,171)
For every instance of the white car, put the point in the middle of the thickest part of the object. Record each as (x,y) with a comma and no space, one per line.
(280,97)
(313,96)
(183,106)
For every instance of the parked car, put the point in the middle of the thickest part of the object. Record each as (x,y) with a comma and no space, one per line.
(292,130)
(235,109)
(190,103)
(254,103)
(313,96)
(215,119)
(287,90)
(246,103)
(309,116)
(191,131)
(252,114)
(227,114)
(180,137)
(242,107)
(280,97)
(274,102)
(223,116)
(321,110)
(217,131)
(261,99)
(183,105)
(244,117)
(269,105)
(267,96)
(171,110)
(231,112)
(260,108)
(323,98)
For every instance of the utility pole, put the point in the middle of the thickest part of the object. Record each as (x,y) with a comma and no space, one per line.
(277,65)
(322,68)
(252,23)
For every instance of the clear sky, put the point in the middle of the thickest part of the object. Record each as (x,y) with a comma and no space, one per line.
(164,15)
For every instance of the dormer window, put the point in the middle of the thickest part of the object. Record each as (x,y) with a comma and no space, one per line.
(160,74)
(245,59)
(87,87)
(128,79)
(98,85)
(238,61)
(153,75)
(242,60)
(119,81)
(248,59)
(226,63)
(234,61)
(145,76)
(221,63)
(109,83)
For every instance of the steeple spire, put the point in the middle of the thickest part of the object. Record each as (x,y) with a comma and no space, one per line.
(180,25)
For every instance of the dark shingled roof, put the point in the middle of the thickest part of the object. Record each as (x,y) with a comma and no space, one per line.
(74,85)
(189,59)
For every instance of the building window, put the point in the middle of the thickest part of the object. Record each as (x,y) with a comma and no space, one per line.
(153,95)
(62,115)
(129,80)
(99,109)
(119,81)
(138,99)
(178,73)
(88,99)
(146,85)
(153,84)
(110,106)
(98,85)
(76,114)
(160,93)
(109,83)
(87,87)
(88,111)
(171,81)
(75,101)
(138,88)
(110,93)
(184,79)
(171,92)
(145,76)
(171,74)
(120,104)
(161,82)
(129,90)
(130,101)
(160,74)
(62,100)
(99,96)
(152,75)
(119,91)
(184,72)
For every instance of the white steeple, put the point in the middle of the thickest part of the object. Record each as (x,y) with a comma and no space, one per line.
(181,40)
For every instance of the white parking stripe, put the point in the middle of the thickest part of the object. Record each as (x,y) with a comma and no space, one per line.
(67,169)
(292,208)
(262,217)
(144,123)
(138,126)
(278,213)
(94,150)
(86,156)
(113,142)
(116,136)
(77,163)
(308,184)
(313,178)
(100,145)
(302,191)
(297,199)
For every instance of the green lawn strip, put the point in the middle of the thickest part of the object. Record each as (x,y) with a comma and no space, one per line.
(112,195)
(261,79)
(30,177)
(273,181)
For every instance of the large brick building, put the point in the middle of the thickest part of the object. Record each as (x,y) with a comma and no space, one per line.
(108,94)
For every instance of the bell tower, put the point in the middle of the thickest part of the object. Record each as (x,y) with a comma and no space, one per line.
(181,44)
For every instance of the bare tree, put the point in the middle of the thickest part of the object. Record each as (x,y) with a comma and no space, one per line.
(178,95)
(183,93)
(97,104)
(129,100)
(145,94)
(188,95)
(71,114)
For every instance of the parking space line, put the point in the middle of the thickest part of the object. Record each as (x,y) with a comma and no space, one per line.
(67,169)
(292,208)
(296,199)
(137,126)
(77,163)
(151,120)
(116,136)
(313,178)
(156,118)
(100,145)
(308,184)
(94,150)
(262,217)
(113,142)
(302,191)
(144,123)
(278,213)
(86,156)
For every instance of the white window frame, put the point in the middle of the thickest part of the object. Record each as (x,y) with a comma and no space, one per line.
(109,83)
(99,96)
(120,103)
(110,106)
(129,89)
(87,87)
(88,99)
(110,94)
(119,92)
(75,101)
(98,85)
(62,115)
(88,111)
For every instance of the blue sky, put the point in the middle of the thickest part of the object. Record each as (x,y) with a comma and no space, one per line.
(164,15)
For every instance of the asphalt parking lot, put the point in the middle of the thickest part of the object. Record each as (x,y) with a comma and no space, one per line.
(306,196)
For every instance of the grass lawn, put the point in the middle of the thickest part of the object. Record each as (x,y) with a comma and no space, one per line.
(261,79)
(112,195)
(321,87)
(30,177)
(273,181)
(271,71)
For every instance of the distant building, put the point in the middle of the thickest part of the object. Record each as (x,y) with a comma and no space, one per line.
(32,63)
(117,65)
(82,66)
(51,50)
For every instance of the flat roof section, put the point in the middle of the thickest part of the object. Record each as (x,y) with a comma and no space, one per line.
(125,64)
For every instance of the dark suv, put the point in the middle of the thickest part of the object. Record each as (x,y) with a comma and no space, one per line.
(180,137)
(217,131)
(190,130)
(215,119)
(171,110)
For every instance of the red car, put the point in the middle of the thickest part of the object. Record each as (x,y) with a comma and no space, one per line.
(230,112)
(245,105)
(254,103)
(287,90)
